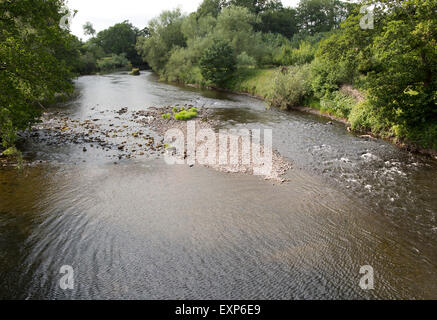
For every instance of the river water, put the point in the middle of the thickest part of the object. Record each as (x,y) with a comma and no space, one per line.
(141,229)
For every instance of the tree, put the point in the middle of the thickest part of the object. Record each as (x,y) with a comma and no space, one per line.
(88,29)
(257,6)
(218,63)
(282,21)
(165,33)
(210,7)
(403,87)
(235,25)
(118,39)
(36,60)
(322,15)
(395,63)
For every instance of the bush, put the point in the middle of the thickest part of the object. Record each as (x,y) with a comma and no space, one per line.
(327,76)
(289,56)
(218,63)
(181,67)
(425,135)
(245,61)
(338,104)
(362,118)
(290,87)
(87,63)
(114,62)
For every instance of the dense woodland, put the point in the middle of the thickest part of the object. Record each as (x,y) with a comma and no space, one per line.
(381,79)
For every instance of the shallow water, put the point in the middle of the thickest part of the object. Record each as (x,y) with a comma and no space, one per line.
(144,230)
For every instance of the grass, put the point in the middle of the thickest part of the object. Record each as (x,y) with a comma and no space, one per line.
(254,81)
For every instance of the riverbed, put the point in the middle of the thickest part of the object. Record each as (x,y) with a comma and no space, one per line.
(137,228)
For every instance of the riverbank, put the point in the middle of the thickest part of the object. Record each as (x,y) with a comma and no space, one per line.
(257,83)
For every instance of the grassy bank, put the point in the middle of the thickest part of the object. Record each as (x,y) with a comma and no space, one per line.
(347,105)
(256,82)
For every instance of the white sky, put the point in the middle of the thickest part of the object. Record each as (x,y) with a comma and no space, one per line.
(105,13)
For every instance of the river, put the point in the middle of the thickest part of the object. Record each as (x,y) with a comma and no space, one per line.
(141,229)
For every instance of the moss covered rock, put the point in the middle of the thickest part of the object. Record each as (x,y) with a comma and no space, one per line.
(10,152)
(135,72)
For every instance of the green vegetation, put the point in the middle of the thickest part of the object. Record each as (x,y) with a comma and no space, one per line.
(114,62)
(185,115)
(111,49)
(254,81)
(135,72)
(393,64)
(338,104)
(290,87)
(36,62)
(381,79)
(218,63)
(10,152)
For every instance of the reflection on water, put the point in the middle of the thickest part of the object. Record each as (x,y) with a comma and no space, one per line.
(142,229)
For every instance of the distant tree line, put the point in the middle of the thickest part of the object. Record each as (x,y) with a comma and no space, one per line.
(111,49)
(381,79)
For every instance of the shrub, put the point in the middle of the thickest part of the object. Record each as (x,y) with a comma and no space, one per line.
(362,118)
(182,68)
(245,61)
(114,62)
(327,76)
(289,56)
(337,103)
(218,63)
(425,135)
(290,87)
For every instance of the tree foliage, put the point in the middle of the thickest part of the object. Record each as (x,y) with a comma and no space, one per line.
(36,57)
(88,29)
(322,15)
(165,34)
(119,39)
(395,63)
(218,62)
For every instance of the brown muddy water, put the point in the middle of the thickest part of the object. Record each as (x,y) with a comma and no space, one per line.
(140,229)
